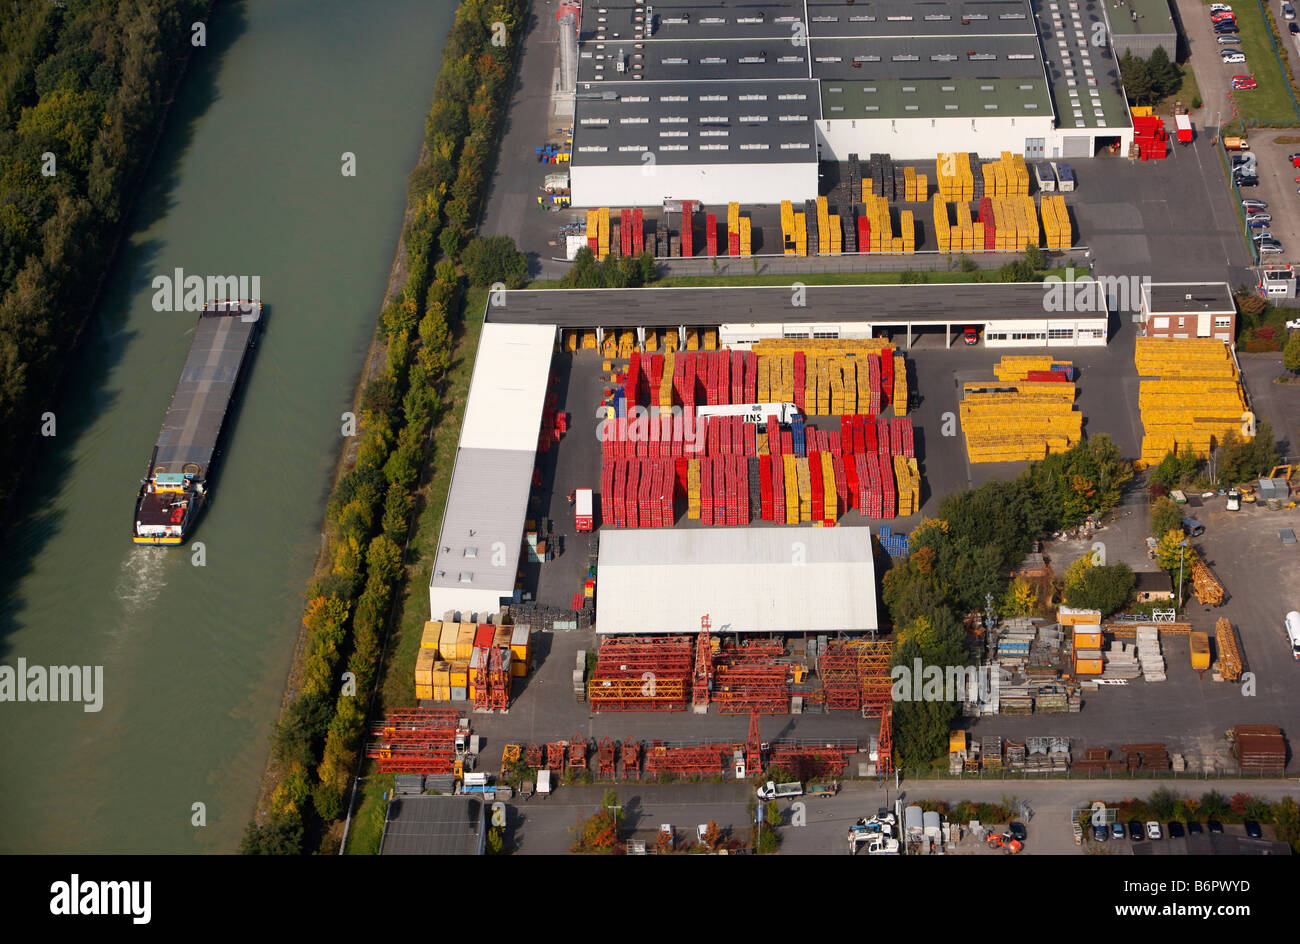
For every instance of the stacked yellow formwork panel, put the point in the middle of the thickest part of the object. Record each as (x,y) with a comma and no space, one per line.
(804,480)
(907,227)
(954,178)
(1025,422)
(1196,400)
(746,232)
(1056,221)
(787,228)
(666,382)
(603,235)
(830,498)
(942,226)
(693,488)
(1015,367)
(907,478)
(876,210)
(836,234)
(900,386)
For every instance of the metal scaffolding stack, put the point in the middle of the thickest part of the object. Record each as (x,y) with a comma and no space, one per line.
(577,753)
(703,679)
(1148,651)
(807,759)
(555,756)
(684,759)
(498,679)
(533,755)
(874,681)
(605,755)
(642,673)
(838,666)
(749,678)
(415,741)
(631,759)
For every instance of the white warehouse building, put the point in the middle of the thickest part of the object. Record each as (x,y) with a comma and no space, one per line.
(739,103)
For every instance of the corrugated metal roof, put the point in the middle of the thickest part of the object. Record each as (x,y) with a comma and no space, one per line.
(506,394)
(483,524)
(756,580)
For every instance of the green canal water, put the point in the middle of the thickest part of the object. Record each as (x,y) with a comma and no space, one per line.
(246,181)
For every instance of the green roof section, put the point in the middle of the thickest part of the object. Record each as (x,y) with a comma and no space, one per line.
(936,98)
(1153,17)
(1114,110)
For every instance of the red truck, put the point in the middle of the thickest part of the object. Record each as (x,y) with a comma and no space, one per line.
(582,509)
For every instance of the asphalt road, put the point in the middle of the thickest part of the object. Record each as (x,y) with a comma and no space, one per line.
(542,826)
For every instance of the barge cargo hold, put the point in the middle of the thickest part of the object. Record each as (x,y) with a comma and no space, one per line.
(175,488)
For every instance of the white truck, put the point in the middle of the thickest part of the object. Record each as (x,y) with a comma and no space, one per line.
(772,790)
(543,783)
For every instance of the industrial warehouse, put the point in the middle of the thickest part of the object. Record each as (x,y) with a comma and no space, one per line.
(676,102)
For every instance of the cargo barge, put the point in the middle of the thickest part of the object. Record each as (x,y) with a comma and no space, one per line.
(176,485)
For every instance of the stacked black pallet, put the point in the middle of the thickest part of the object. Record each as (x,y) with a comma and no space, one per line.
(882,176)
(755,490)
(814,231)
(661,243)
(855,178)
(977,171)
(849,221)
(900,181)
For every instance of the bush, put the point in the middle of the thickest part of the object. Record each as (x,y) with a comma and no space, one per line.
(1165,516)
(281,835)
(1104,588)
(490,259)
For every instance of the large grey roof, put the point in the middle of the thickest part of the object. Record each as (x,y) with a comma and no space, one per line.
(483,524)
(923,18)
(1165,298)
(981,57)
(961,303)
(697,61)
(753,119)
(434,825)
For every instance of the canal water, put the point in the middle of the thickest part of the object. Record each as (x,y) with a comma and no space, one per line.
(247,181)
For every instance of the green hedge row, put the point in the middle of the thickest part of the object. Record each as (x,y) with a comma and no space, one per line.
(83,89)
(317,740)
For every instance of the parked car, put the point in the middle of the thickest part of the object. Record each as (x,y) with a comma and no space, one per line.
(1288,11)
(1253,205)
(1227,26)
(1229,40)
(1294,29)
(1017,831)
(1153,830)
(1265,236)
(1220,16)
(1244,82)
(1253,830)
(1258,218)
(971,335)
(1194,827)
(1232,56)
(1216,7)
(1293,325)
(1214,826)
(1117,830)
(1273,248)
(1099,833)
(1246,180)
(1135,831)
(1175,829)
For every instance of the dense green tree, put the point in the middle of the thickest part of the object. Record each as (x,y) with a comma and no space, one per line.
(490,259)
(281,835)
(1291,353)
(1106,588)
(1165,516)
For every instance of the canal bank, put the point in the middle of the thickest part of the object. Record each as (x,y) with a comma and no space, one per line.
(247,180)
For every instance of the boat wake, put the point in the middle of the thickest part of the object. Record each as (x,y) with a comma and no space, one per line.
(141,579)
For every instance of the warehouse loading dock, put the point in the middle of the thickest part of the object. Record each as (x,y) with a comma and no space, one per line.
(1013,312)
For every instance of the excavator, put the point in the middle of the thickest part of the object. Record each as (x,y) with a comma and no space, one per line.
(1005,842)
